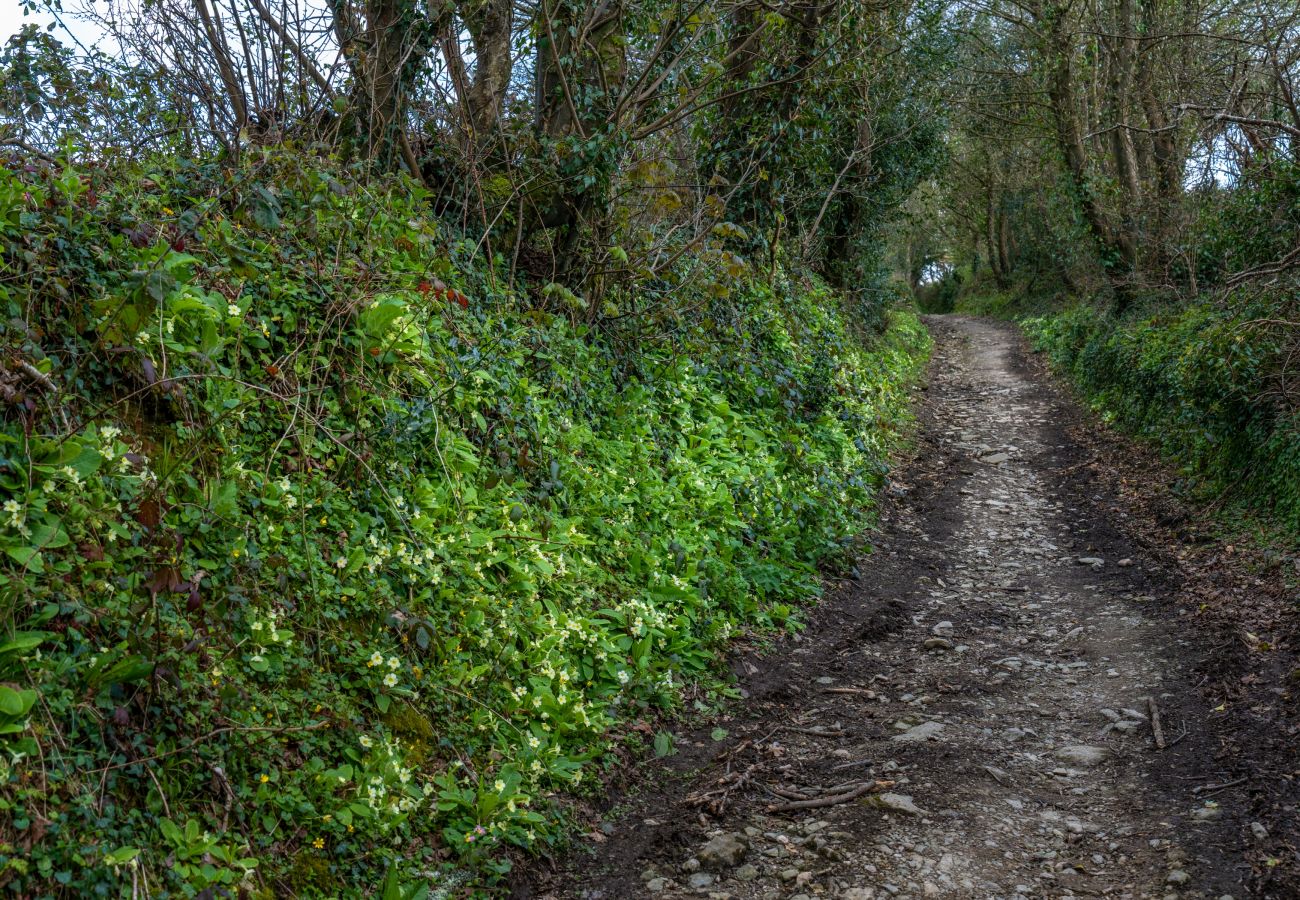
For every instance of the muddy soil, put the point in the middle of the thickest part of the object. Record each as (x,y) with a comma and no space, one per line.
(1015,697)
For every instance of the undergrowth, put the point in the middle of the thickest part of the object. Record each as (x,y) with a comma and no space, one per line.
(330,563)
(1206,382)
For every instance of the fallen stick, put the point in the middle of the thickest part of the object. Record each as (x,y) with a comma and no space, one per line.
(1215,788)
(814,732)
(1156,730)
(833,800)
(786,793)
(849,690)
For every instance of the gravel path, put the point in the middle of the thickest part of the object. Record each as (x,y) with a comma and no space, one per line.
(978,703)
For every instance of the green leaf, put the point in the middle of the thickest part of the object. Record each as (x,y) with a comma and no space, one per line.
(15,703)
(171,832)
(121,856)
(664,744)
(392,889)
(27,557)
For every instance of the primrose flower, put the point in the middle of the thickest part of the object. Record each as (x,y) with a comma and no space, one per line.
(394,663)
(390,680)
(366,741)
(234,310)
(500,786)
(376,659)
(257,658)
(623,677)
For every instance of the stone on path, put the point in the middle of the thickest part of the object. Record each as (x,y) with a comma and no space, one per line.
(895,803)
(1082,755)
(723,851)
(918,733)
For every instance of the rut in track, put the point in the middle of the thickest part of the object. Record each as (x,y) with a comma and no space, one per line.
(990,676)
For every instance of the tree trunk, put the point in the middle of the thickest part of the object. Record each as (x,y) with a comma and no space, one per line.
(1116,255)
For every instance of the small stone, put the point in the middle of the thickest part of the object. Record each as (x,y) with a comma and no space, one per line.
(1091,561)
(825,679)
(1259,831)
(803,878)
(1178,876)
(1125,562)
(919,733)
(649,875)
(691,865)
(943,629)
(937,643)
(656,885)
(895,803)
(1082,754)
(747,872)
(700,881)
(789,874)
(997,774)
(994,459)
(1207,813)
(724,850)
(858,893)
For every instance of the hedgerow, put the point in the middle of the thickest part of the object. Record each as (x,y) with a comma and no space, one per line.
(331,563)
(1207,383)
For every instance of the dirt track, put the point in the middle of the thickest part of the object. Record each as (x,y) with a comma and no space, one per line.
(984,691)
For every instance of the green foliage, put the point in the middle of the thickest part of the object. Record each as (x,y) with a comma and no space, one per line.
(329,562)
(1201,383)
(1254,223)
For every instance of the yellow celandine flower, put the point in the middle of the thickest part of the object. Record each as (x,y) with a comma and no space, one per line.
(265,778)
(319,843)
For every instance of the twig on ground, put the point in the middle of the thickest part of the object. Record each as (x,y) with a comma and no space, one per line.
(816,731)
(1156,730)
(832,800)
(849,690)
(1215,788)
